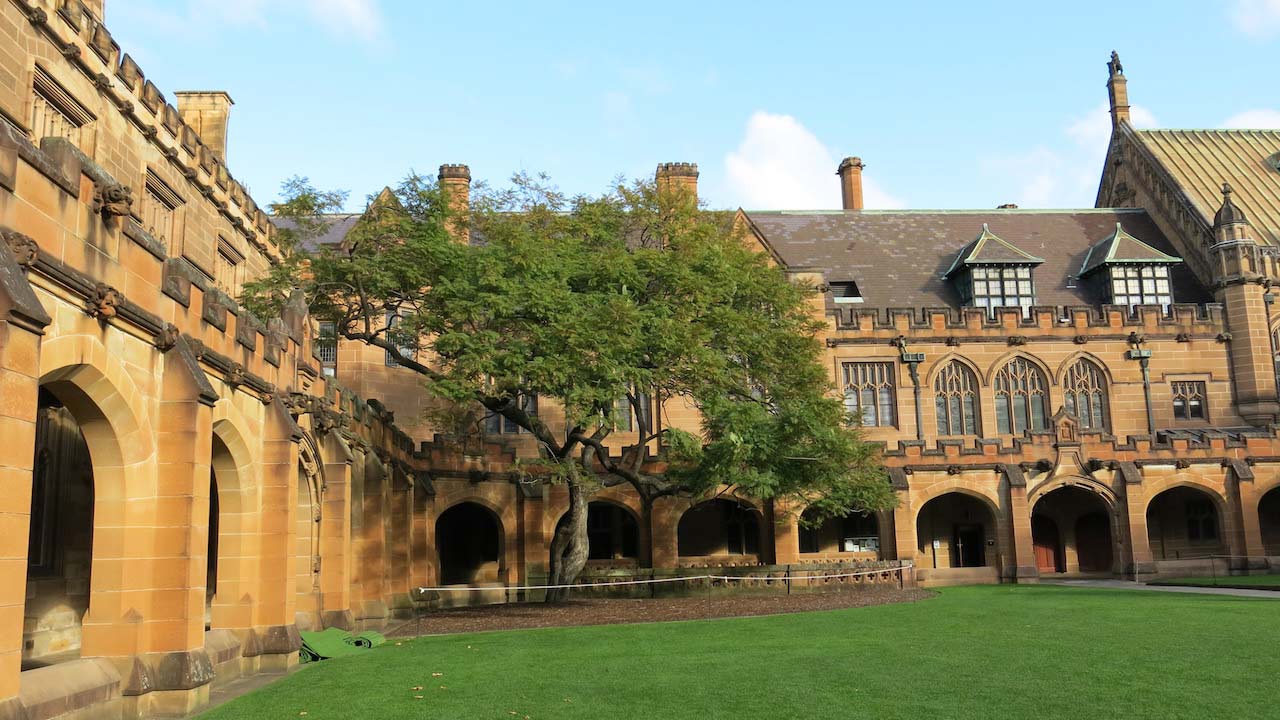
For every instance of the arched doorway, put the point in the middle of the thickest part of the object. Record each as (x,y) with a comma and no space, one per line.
(956,530)
(1072,532)
(1185,523)
(613,534)
(60,544)
(469,539)
(719,527)
(855,534)
(1269,521)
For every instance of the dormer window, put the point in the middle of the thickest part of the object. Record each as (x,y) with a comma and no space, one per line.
(845,292)
(1135,273)
(992,273)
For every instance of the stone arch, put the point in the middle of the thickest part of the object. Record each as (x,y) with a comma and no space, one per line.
(110,414)
(958,528)
(1187,520)
(945,360)
(995,367)
(233,526)
(720,527)
(1087,516)
(1061,372)
(1268,510)
(613,530)
(470,544)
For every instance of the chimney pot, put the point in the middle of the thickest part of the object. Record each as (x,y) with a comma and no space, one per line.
(850,172)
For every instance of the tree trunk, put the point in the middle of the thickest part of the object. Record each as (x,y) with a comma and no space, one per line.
(569,546)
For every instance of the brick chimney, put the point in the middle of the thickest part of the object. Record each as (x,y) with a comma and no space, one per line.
(850,172)
(206,112)
(678,177)
(1117,91)
(455,181)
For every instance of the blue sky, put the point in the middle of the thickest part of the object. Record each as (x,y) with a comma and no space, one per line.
(955,104)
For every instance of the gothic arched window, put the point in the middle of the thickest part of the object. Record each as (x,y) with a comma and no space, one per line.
(955,391)
(1022,398)
(1085,394)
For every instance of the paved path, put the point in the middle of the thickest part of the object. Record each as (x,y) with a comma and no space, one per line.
(1130,585)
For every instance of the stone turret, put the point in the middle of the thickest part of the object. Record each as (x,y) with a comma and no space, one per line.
(1242,275)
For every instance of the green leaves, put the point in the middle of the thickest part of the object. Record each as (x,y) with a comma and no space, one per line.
(581,301)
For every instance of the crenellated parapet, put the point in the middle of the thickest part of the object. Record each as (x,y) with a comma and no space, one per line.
(1041,323)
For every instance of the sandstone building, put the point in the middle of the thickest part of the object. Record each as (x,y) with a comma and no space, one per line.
(185,486)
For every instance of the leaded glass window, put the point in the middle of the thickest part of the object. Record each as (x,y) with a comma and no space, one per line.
(1002,286)
(1141,285)
(1085,395)
(869,392)
(495,424)
(955,392)
(1189,400)
(1022,398)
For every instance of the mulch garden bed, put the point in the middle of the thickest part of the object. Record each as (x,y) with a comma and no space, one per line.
(611,611)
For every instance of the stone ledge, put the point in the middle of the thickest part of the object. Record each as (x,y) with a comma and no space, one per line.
(67,687)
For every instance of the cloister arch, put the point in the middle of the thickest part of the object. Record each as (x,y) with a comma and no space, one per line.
(1269,521)
(957,529)
(1074,530)
(470,542)
(720,527)
(233,518)
(613,531)
(92,459)
(1186,521)
(857,535)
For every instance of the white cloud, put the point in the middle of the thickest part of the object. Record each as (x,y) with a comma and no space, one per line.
(1253,120)
(1257,18)
(781,164)
(1064,174)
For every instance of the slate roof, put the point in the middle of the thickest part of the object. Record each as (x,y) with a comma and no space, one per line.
(339,224)
(899,258)
(1121,247)
(1199,161)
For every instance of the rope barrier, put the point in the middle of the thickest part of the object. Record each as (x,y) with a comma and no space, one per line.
(653,581)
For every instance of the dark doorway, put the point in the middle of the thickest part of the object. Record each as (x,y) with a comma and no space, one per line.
(469,538)
(970,546)
(1093,542)
(1048,544)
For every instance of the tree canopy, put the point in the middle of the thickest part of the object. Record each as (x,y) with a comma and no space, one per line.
(632,299)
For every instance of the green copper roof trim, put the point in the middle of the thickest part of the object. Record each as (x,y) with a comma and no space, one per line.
(1112,243)
(967,253)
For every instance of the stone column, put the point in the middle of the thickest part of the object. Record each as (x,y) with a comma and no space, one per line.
(335,534)
(1022,567)
(277,629)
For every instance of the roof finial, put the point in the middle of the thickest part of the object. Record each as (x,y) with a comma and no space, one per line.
(1115,66)
(1227,215)
(1118,91)
(1226,190)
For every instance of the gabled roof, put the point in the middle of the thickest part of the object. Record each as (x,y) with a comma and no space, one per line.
(1199,161)
(1121,247)
(899,258)
(989,249)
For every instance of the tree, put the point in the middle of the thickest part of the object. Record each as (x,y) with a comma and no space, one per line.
(629,299)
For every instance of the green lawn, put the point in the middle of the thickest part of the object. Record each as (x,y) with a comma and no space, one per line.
(1246,581)
(972,652)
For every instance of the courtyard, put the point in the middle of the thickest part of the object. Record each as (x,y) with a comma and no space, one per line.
(997,651)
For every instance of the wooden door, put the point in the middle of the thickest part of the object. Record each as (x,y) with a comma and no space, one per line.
(970,546)
(1044,535)
(1093,543)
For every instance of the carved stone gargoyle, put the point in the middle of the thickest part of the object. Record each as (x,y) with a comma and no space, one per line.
(112,200)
